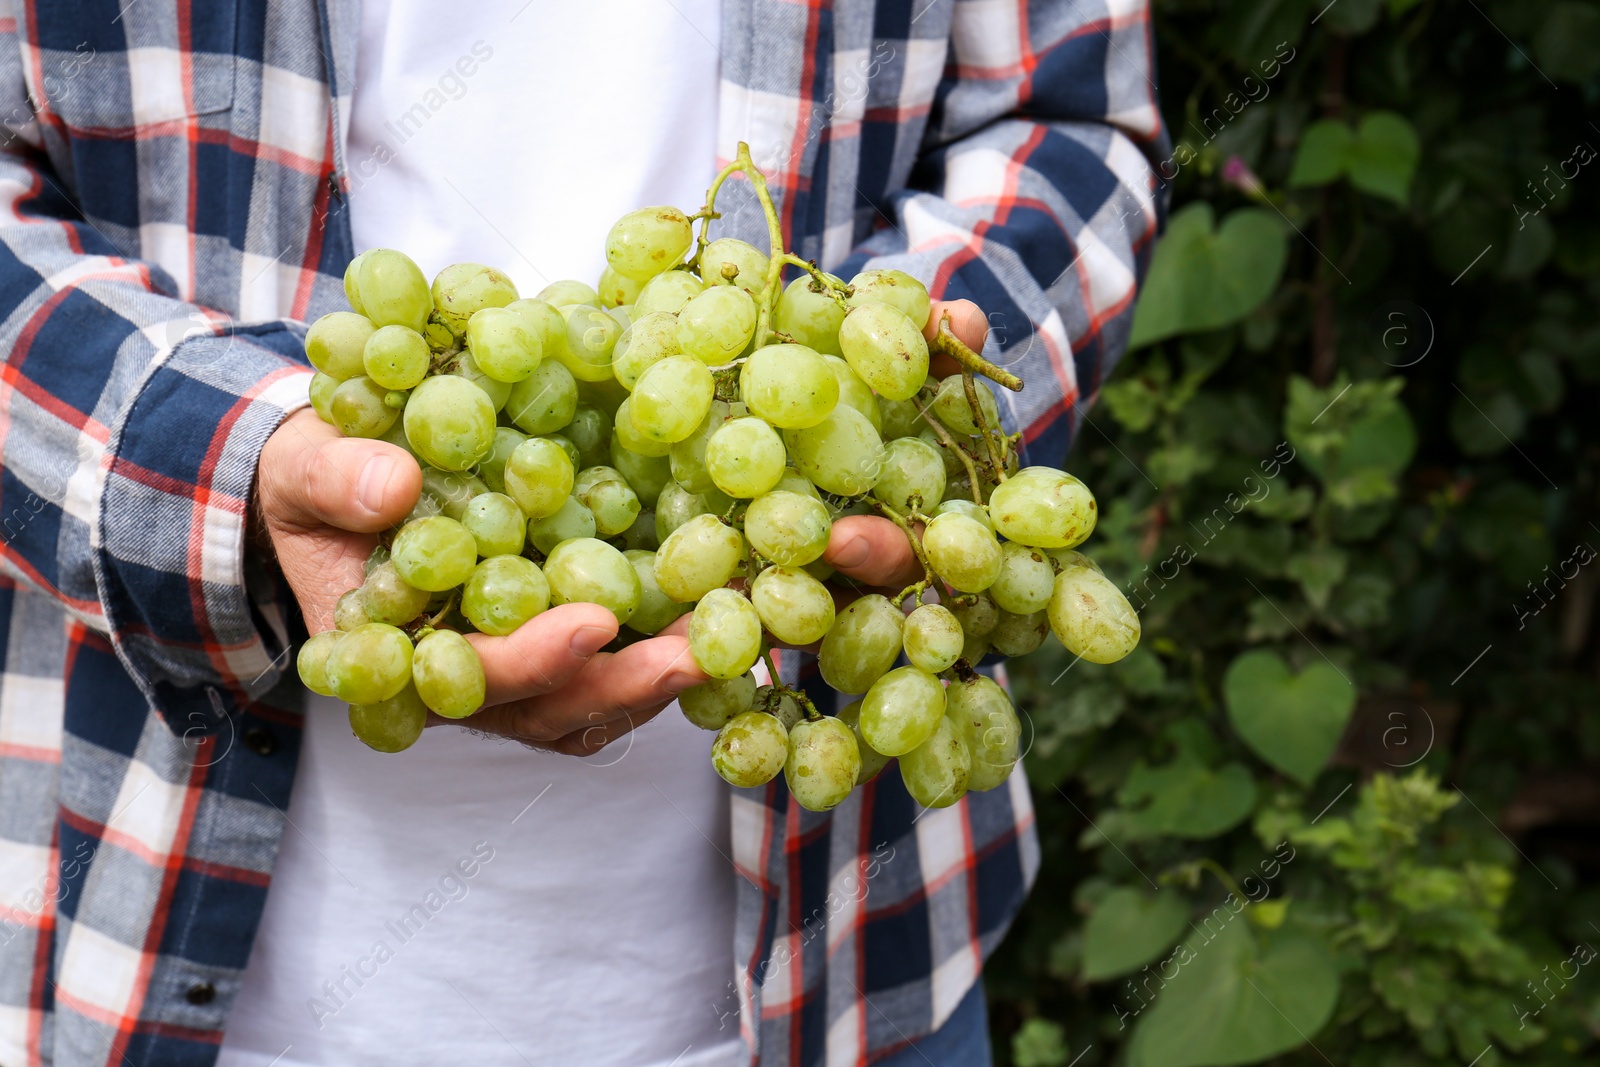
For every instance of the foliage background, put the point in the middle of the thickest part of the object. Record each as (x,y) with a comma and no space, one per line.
(1349,475)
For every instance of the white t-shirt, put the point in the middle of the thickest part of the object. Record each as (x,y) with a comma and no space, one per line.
(469,901)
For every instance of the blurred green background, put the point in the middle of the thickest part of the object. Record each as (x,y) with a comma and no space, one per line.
(1341,807)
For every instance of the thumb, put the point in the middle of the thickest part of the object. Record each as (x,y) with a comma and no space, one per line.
(309,476)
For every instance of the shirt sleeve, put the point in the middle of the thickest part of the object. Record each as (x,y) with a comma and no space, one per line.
(130,426)
(1035,196)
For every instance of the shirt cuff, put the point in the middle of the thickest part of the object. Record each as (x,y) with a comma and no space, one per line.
(170,528)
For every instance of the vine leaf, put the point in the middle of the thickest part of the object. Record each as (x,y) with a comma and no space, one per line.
(1292,721)
(1204,276)
(1187,798)
(1236,997)
(1379,156)
(1130,928)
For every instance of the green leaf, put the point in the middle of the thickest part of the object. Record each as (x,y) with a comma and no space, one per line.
(1039,1043)
(1187,798)
(1130,928)
(1203,276)
(1320,159)
(1237,998)
(1292,721)
(1351,17)
(1383,156)
(1568,44)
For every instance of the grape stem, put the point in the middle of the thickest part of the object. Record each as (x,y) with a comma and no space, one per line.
(835,287)
(781,690)
(949,442)
(758,181)
(948,344)
(928,577)
(995,457)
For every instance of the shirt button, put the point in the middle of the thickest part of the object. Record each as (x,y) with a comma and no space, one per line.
(201,993)
(260,741)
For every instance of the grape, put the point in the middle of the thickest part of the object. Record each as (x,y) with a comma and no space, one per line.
(312,663)
(901,418)
(1091,616)
(377,558)
(689,455)
(1044,508)
(563,442)
(649,340)
(717,325)
(749,265)
(959,487)
(933,638)
(963,552)
(391,725)
(711,705)
(1017,635)
(936,772)
(351,292)
(591,339)
(750,749)
(492,468)
(668,291)
(545,400)
(502,344)
(675,507)
(503,593)
(790,386)
(697,557)
(809,314)
(913,475)
(567,292)
(953,467)
(886,349)
(450,491)
(369,664)
(1066,557)
(782,704)
(350,613)
(359,410)
(862,645)
(497,391)
(436,554)
(965,506)
(842,454)
(792,481)
(587,571)
(983,717)
(336,342)
(571,520)
(392,289)
(1026,579)
(463,289)
(450,422)
(724,633)
(447,674)
(823,763)
(385,597)
(611,501)
(641,536)
(646,242)
(671,399)
(617,290)
(901,710)
(322,388)
(590,431)
(974,649)
(855,392)
(631,439)
(623,313)
(789,529)
(872,761)
(745,457)
(646,475)
(655,611)
(794,607)
(396,357)
(893,287)
(950,405)
(496,523)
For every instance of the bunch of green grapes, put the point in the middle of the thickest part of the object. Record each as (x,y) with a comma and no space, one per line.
(680,439)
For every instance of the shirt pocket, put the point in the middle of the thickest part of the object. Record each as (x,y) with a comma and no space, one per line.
(112,68)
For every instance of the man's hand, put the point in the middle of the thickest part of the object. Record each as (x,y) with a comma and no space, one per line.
(322,500)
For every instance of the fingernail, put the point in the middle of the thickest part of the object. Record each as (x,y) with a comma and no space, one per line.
(853,554)
(681,679)
(373,488)
(590,639)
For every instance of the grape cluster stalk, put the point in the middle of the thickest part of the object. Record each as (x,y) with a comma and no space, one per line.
(680,438)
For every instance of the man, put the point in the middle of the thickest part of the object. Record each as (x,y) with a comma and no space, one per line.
(183,186)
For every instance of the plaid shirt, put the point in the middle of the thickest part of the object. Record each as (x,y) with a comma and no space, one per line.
(173,209)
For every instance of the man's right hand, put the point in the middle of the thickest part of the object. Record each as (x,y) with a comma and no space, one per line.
(322,500)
